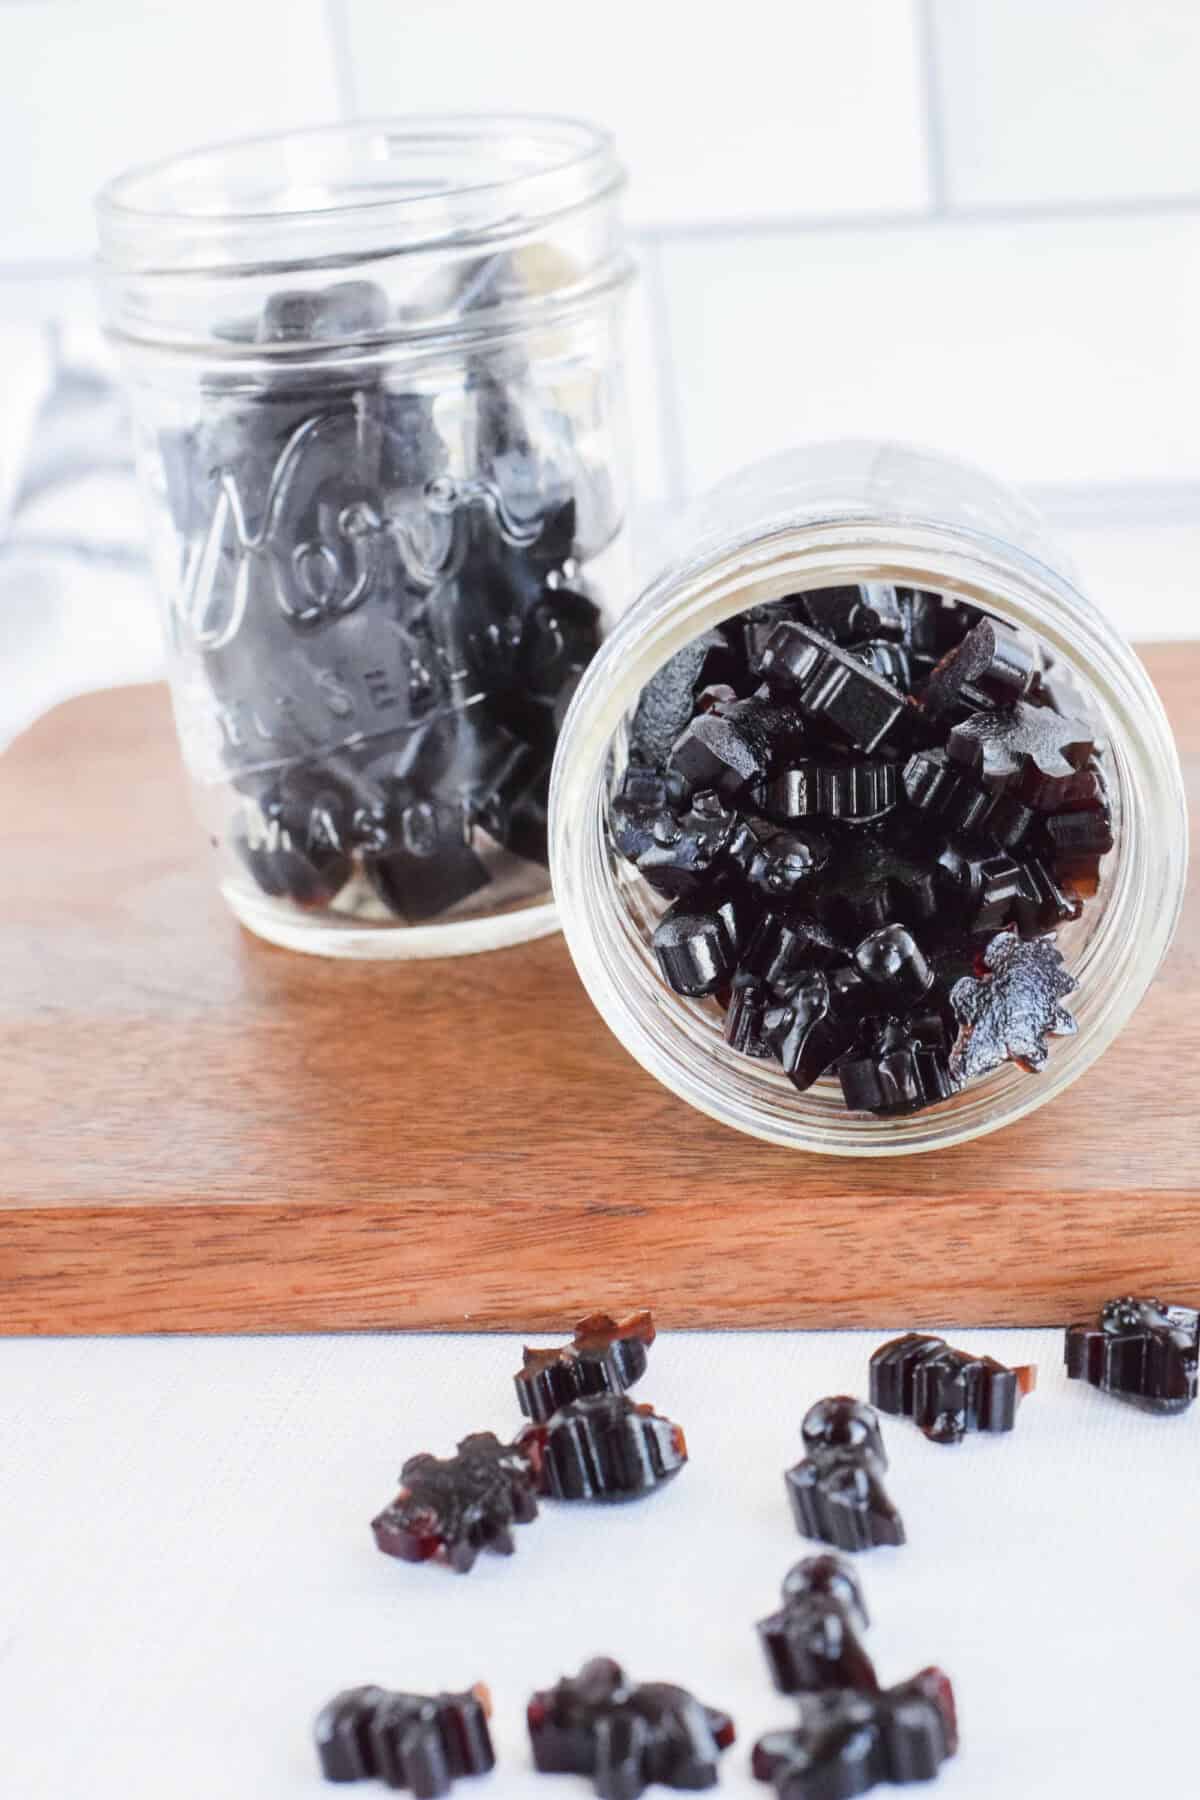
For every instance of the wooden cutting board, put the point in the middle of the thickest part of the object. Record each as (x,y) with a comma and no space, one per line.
(201,1133)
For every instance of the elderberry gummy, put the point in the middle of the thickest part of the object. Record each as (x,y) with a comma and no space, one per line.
(389,504)
(456,1507)
(419,1742)
(946,1392)
(869,810)
(605,1356)
(851,1732)
(811,1643)
(836,1492)
(603,1447)
(625,1736)
(371,624)
(849,1740)
(1141,1351)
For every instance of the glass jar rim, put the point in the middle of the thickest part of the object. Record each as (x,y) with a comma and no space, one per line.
(668,1036)
(555,164)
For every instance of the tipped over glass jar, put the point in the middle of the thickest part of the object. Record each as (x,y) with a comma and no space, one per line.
(378,397)
(867,828)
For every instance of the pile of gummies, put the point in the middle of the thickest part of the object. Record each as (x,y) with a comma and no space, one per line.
(870,807)
(587,1441)
(381,649)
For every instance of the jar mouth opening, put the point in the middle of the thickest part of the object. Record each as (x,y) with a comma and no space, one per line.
(606,909)
(407,183)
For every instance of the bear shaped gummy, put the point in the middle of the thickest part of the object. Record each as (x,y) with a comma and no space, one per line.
(453,1508)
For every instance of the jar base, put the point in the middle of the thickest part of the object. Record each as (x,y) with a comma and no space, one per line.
(325,936)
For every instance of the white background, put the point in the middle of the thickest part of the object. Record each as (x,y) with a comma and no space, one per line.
(189,1572)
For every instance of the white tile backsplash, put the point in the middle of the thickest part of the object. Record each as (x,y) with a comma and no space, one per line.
(40,292)
(1137,563)
(836,206)
(769,111)
(87,88)
(1145,577)
(1057,352)
(1045,101)
(646,409)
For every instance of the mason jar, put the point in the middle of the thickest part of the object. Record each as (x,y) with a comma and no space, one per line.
(376,380)
(883,519)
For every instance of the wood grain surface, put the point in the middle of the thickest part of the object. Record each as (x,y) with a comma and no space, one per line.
(199,1132)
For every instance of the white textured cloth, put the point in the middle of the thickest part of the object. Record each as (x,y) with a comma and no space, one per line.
(76,610)
(188,1572)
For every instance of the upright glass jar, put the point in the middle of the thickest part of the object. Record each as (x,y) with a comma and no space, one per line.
(833,516)
(378,395)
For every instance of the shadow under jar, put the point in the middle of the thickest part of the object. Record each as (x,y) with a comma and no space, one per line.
(378,395)
(964,867)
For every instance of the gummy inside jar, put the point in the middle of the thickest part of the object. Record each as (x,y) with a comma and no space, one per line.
(390,587)
(867,822)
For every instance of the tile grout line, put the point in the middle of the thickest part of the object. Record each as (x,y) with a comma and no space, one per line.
(337,24)
(1060,211)
(929,78)
(667,386)
(657,236)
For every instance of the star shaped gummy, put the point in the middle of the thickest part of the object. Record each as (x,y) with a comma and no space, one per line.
(456,1507)
(1006,1014)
